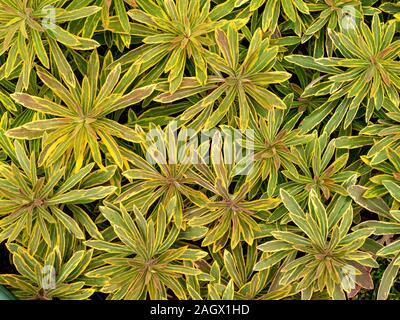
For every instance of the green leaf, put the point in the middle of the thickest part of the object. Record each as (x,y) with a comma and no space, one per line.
(82,196)
(387,280)
(270,261)
(393,189)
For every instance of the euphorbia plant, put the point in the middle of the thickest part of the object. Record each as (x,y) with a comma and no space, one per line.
(27,27)
(327,256)
(82,115)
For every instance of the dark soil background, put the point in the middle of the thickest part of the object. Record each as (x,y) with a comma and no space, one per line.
(5,264)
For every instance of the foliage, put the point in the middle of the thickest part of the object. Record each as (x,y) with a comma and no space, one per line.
(205,149)
(147,261)
(330,252)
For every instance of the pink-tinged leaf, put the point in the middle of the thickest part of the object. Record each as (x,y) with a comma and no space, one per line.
(41,105)
(223,44)
(135,96)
